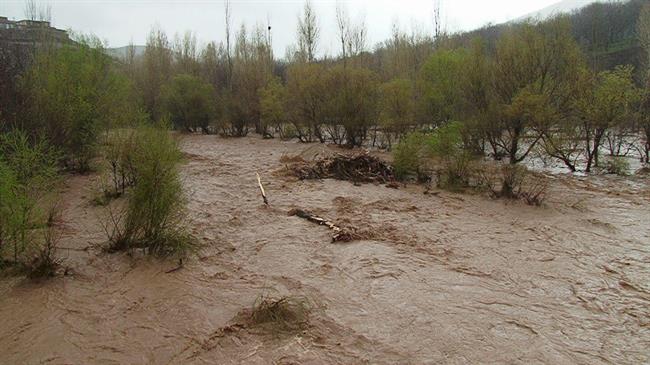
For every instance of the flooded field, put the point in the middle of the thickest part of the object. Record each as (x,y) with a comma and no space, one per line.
(441,278)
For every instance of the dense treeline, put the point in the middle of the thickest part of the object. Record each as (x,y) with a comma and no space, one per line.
(522,89)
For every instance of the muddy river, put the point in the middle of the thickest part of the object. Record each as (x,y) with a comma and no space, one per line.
(444,278)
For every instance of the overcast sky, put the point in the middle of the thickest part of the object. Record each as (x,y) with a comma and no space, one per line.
(120,21)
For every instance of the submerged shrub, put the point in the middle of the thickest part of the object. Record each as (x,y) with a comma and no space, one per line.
(409,156)
(617,166)
(28,177)
(278,315)
(446,144)
(118,153)
(45,263)
(441,151)
(153,218)
(514,182)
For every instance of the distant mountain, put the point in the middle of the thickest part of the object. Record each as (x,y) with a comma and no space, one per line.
(121,52)
(562,7)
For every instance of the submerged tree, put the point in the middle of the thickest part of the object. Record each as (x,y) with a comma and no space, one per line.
(607,102)
(534,70)
(190,103)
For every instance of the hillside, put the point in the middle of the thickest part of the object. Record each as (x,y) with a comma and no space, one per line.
(606,32)
(562,7)
(121,52)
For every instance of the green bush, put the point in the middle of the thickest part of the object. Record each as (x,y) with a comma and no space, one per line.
(28,178)
(446,145)
(409,156)
(153,218)
(441,151)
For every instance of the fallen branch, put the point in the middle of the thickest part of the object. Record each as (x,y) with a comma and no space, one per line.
(180,266)
(259,182)
(340,235)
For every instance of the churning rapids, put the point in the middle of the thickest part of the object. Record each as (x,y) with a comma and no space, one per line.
(445,278)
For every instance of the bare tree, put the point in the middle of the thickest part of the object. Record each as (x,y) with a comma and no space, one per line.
(130,60)
(353,37)
(358,37)
(308,32)
(228,48)
(437,25)
(343,25)
(37,12)
(185,53)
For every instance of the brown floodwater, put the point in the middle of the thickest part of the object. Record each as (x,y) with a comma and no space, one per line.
(443,278)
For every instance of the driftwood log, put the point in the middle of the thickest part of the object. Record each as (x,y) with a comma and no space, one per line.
(340,235)
(259,182)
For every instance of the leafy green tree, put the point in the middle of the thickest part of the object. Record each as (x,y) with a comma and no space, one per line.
(307,90)
(190,103)
(605,104)
(157,70)
(273,98)
(441,79)
(73,94)
(396,105)
(535,66)
(353,96)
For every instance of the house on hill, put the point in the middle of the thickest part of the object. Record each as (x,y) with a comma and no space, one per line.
(29,33)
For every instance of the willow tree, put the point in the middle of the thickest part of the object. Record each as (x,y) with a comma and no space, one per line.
(190,103)
(157,71)
(441,82)
(352,104)
(396,109)
(535,68)
(606,103)
(73,94)
(307,92)
(252,65)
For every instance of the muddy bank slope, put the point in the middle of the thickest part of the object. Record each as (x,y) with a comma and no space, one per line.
(438,278)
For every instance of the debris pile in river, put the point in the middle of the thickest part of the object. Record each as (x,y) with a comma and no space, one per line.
(361,167)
